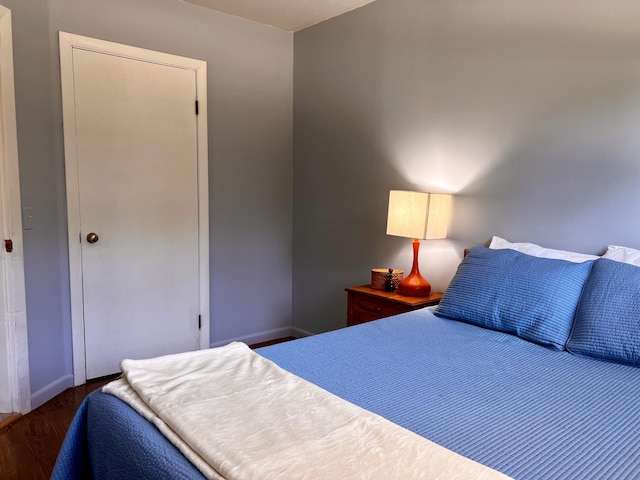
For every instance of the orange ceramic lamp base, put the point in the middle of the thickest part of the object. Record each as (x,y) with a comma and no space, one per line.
(415,285)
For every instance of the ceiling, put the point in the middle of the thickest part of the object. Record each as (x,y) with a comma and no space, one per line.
(290,15)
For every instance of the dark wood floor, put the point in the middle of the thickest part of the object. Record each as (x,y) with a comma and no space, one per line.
(29,446)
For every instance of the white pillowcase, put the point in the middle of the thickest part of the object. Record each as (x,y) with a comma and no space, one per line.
(542,252)
(623,254)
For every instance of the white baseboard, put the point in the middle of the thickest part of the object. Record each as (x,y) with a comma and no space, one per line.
(300,333)
(257,337)
(48,392)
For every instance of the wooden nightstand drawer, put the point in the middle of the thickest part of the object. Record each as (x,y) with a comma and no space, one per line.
(365,304)
(369,308)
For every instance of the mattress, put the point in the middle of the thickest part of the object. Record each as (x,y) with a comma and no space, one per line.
(520,408)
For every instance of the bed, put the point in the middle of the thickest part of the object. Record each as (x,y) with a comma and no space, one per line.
(529,366)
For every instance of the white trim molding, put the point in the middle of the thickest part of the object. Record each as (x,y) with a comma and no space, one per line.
(49,391)
(266,336)
(13,315)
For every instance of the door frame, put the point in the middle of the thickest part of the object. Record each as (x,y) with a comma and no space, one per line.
(13,316)
(69,42)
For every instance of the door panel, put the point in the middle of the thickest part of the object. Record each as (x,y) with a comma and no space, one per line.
(5,380)
(15,395)
(136,140)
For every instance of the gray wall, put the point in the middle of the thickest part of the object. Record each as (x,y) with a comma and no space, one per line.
(250,74)
(528,111)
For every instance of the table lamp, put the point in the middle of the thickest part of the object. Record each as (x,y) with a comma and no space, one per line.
(419,216)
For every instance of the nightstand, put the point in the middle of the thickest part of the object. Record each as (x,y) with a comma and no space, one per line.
(365,304)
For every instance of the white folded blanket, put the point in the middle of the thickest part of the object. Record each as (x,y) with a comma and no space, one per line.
(237,415)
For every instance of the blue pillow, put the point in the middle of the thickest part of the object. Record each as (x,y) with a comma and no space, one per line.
(531,297)
(607,322)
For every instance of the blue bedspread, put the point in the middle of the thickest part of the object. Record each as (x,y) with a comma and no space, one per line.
(108,439)
(520,408)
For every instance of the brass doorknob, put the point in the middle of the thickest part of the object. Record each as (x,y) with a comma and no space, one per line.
(92,237)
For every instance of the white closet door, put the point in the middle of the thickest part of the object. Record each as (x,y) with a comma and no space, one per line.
(136,140)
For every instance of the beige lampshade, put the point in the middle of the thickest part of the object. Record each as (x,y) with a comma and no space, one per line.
(418,215)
